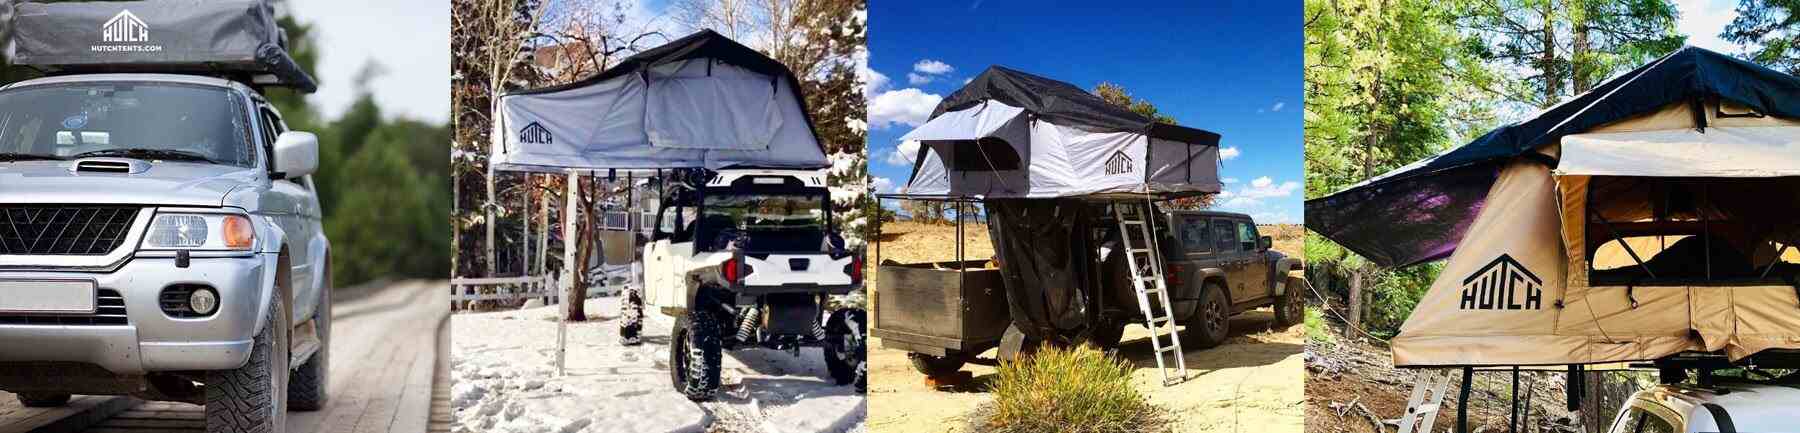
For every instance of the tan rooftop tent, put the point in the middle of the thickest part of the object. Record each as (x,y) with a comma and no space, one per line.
(1667,229)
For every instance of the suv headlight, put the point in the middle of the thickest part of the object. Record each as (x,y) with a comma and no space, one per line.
(200,231)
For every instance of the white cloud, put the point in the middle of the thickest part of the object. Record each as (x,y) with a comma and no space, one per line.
(1264,187)
(1228,180)
(1278,106)
(904,154)
(882,185)
(908,106)
(932,67)
(1702,20)
(1227,153)
(916,79)
(873,82)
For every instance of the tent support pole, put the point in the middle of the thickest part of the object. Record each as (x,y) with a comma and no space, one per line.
(1513,425)
(569,267)
(1462,402)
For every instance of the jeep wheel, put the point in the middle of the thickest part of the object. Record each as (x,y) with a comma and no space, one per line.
(1290,307)
(43,400)
(844,354)
(694,359)
(306,388)
(936,366)
(252,398)
(1212,323)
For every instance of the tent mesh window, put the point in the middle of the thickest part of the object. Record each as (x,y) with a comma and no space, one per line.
(986,154)
(1680,231)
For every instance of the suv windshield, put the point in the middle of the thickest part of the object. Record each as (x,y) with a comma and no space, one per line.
(165,121)
(773,221)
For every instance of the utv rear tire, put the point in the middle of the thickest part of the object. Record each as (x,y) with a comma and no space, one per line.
(695,357)
(1290,307)
(306,388)
(1211,324)
(845,357)
(252,398)
(936,366)
(43,400)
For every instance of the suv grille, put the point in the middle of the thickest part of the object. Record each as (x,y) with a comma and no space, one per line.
(63,230)
(109,310)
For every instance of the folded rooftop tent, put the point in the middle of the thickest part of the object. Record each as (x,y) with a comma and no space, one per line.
(702,101)
(234,38)
(1009,134)
(1660,230)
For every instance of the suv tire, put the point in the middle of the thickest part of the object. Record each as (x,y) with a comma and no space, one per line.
(306,388)
(695,357)
(1107,333)
(1211,323)
(43,400)
(1290,307)
(844,354)
(251,399)
(935,366)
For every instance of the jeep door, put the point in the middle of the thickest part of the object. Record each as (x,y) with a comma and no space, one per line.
(1230,256)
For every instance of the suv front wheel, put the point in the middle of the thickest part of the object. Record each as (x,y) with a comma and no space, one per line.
(253,398)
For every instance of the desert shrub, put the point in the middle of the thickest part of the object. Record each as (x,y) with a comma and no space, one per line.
(1072,390)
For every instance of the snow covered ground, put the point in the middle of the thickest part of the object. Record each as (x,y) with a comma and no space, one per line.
(504,374)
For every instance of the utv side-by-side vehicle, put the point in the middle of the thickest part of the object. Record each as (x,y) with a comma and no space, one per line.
(160,233)
(1216,266)
(748,258)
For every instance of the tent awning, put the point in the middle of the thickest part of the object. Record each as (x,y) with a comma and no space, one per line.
(1717,152)
(971,123)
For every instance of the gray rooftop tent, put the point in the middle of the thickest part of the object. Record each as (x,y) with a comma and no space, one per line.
(1010,134)
(1649,217)
(702,101)
(234,38)
(1037,153)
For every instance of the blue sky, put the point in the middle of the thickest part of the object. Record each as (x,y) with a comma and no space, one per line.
(1231,67)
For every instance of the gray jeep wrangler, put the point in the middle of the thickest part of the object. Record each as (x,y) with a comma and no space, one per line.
(160,237)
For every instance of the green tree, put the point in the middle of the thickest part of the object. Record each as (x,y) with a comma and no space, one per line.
(1767,30)
(1562,48)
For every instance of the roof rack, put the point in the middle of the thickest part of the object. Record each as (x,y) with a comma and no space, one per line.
(234,39)
(1677,368)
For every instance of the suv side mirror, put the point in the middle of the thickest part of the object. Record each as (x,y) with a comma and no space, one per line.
(296,154)
(1265,242)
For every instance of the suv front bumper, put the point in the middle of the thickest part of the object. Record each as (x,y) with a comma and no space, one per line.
(151,340)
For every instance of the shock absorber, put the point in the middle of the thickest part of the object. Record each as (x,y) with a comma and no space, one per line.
(747,323)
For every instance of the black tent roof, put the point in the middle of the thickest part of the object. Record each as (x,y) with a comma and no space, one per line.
(1417,213)
(1062,103)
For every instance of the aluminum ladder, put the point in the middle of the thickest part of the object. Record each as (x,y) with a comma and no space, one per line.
(1426,400)
(1145,262)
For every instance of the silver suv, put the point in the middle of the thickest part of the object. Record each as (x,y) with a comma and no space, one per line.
(160,237)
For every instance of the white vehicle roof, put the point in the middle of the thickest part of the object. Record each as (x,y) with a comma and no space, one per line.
(810,178)
(1750,407)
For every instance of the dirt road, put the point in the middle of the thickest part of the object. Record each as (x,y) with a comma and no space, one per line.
(1253,383)
(384,361)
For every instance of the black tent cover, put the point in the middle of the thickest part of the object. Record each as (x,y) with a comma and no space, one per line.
(1063,103)
(227,37)
(703,44)
(1419,213)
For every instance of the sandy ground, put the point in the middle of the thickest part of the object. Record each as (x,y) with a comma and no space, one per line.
(1253,383)
(505,381)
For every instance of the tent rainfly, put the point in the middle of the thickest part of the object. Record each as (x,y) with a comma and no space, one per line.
(702,101)
(1651,216)
(1009,134)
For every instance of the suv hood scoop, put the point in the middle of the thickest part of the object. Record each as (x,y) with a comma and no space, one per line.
(109,166)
